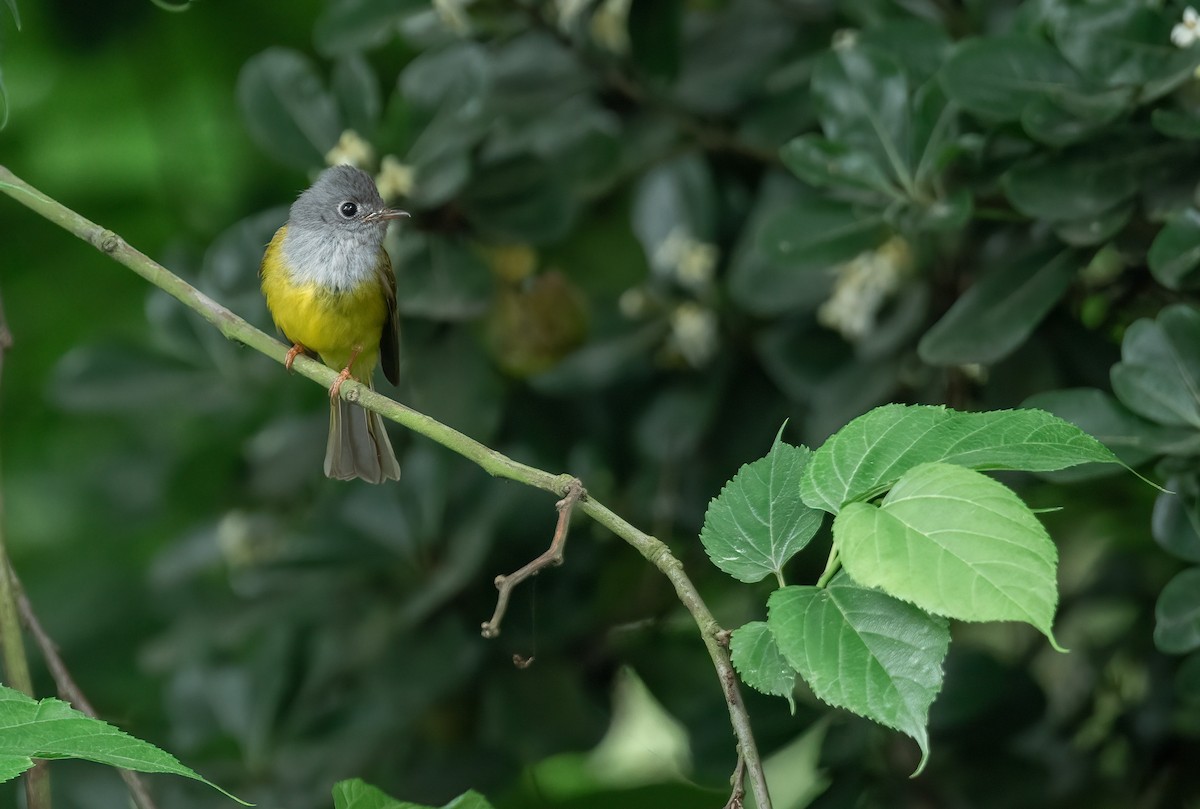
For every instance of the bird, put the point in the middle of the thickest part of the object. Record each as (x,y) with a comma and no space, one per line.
(331,292)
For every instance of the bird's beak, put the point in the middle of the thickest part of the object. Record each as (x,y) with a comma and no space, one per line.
(385,215)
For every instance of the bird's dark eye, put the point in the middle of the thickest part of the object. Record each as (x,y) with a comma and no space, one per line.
(348,210)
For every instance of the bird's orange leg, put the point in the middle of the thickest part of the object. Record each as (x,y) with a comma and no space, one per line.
(335,390)
(295,351)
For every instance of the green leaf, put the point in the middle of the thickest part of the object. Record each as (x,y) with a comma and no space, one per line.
(1159,373)
(12,766)
(867,456)
(448,91)
(760,663)
(956,543)
(831,164)
(1132,438)
(522,199)
(1176,124)
(862,101)
(1177,614)
(357,93)
(758,522)
(1175,522)
(862,650)
(1175,252)
(288,111)
(918,45)
(533,76)
(995,78)
(674,423)
(1123,44)
(357,794)
(349,26)
(1081,184)
(442,278)
(758,283)
(815,234)
(1098,229)
(1070,116)
(52,729)
(999,312)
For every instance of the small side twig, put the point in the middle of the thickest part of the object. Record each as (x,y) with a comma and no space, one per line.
(737,799)
(68,689)
(551,557)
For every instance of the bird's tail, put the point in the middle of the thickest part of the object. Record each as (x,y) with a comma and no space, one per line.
(358,445)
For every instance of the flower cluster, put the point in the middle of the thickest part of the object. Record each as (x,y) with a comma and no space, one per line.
(863,285)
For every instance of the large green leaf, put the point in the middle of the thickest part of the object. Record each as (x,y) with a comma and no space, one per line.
(287,110)
(1177,614)
(862,650)
(956,543)
(996,78)
(1175,252)
(758,522)
(52,729)
(1159,373)
(760,663)
(996,315)
(868,455)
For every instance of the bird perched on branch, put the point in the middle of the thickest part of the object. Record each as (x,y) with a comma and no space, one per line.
(330,288)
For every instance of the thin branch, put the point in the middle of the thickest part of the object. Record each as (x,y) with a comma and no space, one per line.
(495,463)
(68,689)
(551,557)
(737,798)
(12,644)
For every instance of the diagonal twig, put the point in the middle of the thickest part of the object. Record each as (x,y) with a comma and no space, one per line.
(68,689)
(551,557)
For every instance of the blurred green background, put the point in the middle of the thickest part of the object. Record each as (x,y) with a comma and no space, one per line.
(613,270)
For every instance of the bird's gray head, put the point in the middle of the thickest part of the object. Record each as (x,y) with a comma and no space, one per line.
(343,201)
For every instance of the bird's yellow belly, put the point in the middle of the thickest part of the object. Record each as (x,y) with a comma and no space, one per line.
(333,324)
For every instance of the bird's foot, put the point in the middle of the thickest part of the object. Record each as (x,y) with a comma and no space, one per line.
(295,351)
(335,390)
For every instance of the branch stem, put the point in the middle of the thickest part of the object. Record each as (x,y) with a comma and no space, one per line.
(12,643)
(495,463)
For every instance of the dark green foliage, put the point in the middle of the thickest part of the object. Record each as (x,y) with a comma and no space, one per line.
(637,248)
